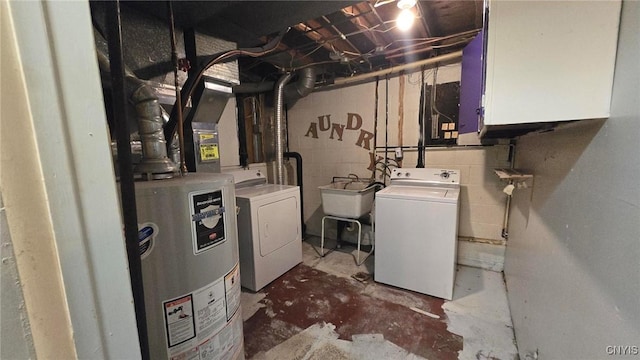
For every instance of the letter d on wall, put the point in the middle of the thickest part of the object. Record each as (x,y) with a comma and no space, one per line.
(350,124)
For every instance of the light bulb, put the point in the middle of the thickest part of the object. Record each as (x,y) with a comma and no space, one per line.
(406,4)
(405,20)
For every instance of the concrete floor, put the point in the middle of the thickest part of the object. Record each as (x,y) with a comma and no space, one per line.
(320,310)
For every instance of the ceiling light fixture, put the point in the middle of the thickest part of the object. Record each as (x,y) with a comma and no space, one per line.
(406,4)
(404,21)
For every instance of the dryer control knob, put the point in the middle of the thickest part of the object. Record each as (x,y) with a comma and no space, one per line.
(407,174)
(444,175)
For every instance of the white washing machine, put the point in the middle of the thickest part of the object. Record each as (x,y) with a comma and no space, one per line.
(269,229)
(417,230)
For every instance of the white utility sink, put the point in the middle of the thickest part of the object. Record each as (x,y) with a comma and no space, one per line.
(348,199)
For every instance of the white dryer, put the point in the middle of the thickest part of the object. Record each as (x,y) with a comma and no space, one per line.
(269,229)
(417,230)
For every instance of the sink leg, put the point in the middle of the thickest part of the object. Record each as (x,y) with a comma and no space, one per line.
(340,228)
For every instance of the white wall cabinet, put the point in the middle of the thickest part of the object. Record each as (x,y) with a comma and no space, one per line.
(548,61)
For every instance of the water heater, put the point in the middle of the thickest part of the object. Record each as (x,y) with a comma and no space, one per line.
(189,250)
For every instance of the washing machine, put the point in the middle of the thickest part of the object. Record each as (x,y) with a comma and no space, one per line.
(269,229)
(417,230)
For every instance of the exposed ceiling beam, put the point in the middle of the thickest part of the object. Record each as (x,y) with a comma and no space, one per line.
(354,13)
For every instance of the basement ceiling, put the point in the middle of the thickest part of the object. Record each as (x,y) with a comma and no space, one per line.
(339,38)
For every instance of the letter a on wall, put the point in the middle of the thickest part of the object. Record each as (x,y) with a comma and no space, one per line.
(313,130)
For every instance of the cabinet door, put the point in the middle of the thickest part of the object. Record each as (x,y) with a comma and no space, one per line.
(549,61)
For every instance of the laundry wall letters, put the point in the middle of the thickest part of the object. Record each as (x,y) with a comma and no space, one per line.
(335,130)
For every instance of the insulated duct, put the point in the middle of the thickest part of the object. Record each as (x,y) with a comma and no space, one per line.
(279,105)
(154,164)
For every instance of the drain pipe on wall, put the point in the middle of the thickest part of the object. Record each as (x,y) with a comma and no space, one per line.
(298,157)
(279,105)
(507,206)
(421,136)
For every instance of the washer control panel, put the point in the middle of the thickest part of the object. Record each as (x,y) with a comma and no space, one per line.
(430,175)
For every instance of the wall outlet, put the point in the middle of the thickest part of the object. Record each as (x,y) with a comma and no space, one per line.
(398,153)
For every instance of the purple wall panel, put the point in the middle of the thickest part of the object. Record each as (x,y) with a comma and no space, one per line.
(471,85)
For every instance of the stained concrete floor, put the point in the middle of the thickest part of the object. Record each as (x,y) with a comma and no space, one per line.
(320,310)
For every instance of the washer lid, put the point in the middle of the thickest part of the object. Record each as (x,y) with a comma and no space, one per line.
(427,193)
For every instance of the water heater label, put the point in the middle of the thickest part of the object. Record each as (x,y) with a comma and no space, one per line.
(207,219)
(199,324)
(179,320)
(210,308)
(232,291)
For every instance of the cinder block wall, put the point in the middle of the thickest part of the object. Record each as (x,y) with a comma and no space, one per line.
(314,131)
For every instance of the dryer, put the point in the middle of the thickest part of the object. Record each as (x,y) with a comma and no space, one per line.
(269,229)
(417,230)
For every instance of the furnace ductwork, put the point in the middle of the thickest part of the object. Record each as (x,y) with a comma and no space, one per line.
(292,92)
(154,164)
(301,88)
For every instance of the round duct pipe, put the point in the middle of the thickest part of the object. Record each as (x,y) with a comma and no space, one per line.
(154,164)
(279,105)
(292,92)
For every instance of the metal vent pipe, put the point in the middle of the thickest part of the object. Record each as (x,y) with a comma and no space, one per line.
(279,105)
(292,92)
(154,163)
(301,88)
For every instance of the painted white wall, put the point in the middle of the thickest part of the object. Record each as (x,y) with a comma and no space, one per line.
(572,263)
(482,200)
(60,198)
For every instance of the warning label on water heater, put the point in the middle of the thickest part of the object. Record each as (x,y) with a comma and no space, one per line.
(206,324)
(179,320)
(207,219)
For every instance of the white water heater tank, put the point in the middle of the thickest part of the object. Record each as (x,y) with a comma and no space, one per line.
(189,250)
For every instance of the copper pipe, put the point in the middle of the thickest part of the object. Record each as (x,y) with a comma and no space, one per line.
(174,57)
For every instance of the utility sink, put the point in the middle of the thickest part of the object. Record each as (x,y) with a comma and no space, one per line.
(348,199)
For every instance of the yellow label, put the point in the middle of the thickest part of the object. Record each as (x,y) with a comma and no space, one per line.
(206,136)
(209,152)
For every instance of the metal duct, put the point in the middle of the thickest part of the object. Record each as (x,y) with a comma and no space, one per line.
(210,103)
(292,92)
(279,104)
(154,164)
(301,88)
